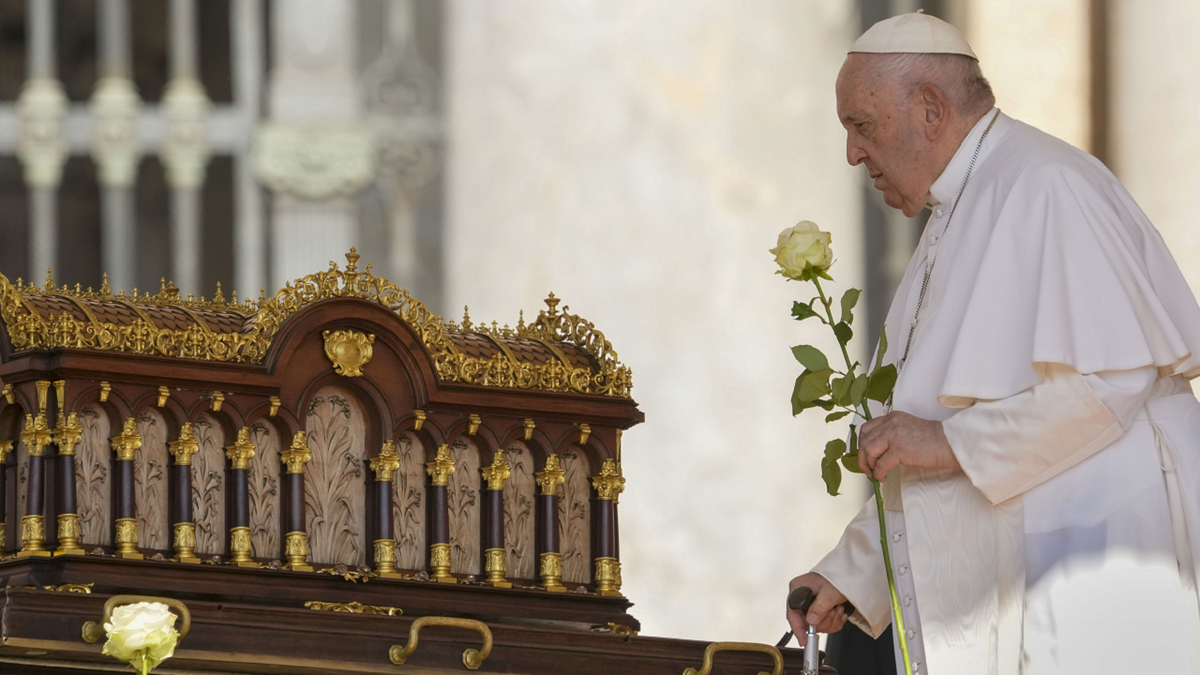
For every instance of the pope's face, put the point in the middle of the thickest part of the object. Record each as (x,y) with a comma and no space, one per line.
(883,134)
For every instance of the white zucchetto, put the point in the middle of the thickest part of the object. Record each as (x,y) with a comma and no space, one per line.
(915,33)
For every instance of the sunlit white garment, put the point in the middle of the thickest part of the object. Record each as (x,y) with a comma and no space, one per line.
(1053,343)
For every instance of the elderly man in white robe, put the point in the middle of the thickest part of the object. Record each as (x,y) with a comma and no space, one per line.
(1042,449)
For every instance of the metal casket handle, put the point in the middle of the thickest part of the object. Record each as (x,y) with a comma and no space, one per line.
(472,658)
(92,631)
(715,647)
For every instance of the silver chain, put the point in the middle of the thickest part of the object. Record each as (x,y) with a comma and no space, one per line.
(929,268)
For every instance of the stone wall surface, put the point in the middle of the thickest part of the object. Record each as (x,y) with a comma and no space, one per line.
(638,158)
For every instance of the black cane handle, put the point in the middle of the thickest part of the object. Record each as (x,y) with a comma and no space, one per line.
(801,599)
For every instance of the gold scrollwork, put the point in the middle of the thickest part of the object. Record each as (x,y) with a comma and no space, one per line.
(348,351)
(27,329)
(353,608)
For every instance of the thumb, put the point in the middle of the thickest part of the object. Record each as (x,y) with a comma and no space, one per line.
(827,597)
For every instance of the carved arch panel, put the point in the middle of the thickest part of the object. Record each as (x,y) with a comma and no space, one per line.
(574,517)
(150,482)
(93,491)
(263,481)
(334,487)
(519,499)
(462,495)
(208,485)
(408,503)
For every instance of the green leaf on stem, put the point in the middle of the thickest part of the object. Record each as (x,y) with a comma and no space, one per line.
(850,459)
(843,333)
(802,311)
(833,417)
(824,404)
(812,385)
(810,357)
(882,347)
(858,390)
(849,300)
(831,473)
(883,380)
(840,390)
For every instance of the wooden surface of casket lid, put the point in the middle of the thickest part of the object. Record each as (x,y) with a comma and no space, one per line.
(557,352)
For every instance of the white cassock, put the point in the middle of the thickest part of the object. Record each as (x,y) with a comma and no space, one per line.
(1055,343)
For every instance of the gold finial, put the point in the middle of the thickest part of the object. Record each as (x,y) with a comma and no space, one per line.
(466,322)
(386,463)
(219,297)
(552,303)
(298,454)
(262,294)
(242,450)
(20,283)
(234,300)
(49,281)
(128,442)
(186,446)
(498,472)
(105,289)
(352,260)
(441,467)
(521,323)
(551,477)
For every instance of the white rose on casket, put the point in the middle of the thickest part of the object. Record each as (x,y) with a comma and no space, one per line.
(141,634)
(803,251)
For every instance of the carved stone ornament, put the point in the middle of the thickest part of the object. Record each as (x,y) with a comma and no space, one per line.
(314,163)
(115,145)
(42,146)
(185,149)
(348,350)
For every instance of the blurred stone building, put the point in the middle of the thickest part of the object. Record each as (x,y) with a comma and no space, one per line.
(637,157)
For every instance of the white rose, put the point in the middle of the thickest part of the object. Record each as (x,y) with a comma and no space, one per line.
(803,251)
(142,634)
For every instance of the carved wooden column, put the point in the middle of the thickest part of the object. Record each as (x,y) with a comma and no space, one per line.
(439,470)
(495,553)
(184,529)
(124,508)
(33,526)
(296,539)
(241,550)
(549,557)
(608,485)
(384,466)
(67,435)
(5,450)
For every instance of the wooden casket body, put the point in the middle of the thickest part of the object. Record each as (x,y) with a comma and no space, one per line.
(317,479)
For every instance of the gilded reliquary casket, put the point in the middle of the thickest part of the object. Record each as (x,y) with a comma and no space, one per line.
(315,478)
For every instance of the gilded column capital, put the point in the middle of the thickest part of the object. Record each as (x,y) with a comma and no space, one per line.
(5,448)
(67,435)
(551,477)
(37,435)
(187,445)
(386,463)
(441,468)
(498,472)
(128,442)
(298,454)
(610,483)
(241,452)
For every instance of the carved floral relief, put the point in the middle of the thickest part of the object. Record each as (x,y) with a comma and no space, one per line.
(263,480)
(574,516)
(208,486)
(93,492)
(334,488)
(519,495)
(150,482)
(462,496)
(408,504)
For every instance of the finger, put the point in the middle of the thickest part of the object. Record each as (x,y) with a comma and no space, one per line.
(798,624)
(886,463)
(834,622)
(827,598)
(872,450)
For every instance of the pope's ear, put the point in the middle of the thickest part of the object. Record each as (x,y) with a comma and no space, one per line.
(936,110)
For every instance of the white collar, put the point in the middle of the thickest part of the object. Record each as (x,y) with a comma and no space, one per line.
(946,186)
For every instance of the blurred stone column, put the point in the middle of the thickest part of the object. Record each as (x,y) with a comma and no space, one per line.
(314,151)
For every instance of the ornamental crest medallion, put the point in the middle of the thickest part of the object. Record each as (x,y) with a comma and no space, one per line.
(348,350)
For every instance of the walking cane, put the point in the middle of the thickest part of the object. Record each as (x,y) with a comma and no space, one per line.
(801,600)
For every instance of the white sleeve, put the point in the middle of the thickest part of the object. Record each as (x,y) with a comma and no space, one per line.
(1011,445)
(855,567)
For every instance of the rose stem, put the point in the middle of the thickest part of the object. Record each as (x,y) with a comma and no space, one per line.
(897,617)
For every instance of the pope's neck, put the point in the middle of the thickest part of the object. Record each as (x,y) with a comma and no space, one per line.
(949,145)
